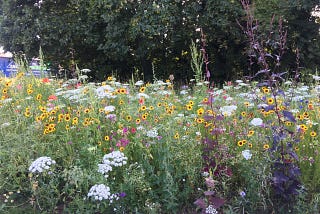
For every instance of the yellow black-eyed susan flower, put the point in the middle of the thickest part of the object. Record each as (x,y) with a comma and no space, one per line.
(75,121)
(176,136)
(303,127)
(266,146)
(241,142)
(250,133)
(313,134)
(143,108)
(270,100)
(128,118)
(142,89)
(189,107)
(200,111)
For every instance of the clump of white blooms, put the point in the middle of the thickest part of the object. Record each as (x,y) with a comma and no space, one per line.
(115,158)
(41,164)
(228,110)
(256,122)
(211,210)
(101,192)
(152,133)
(247,154)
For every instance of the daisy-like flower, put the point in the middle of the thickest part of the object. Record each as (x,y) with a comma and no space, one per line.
(250,133)
(270,101)
(266,146)
(41,164)
(313,134)
(241,142)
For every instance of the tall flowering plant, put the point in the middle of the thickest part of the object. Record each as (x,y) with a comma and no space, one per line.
(266,53)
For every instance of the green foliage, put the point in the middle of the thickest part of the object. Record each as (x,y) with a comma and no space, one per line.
(116,36)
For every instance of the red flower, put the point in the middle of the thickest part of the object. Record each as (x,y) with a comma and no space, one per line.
(45,80)
(52,97)
(133,130)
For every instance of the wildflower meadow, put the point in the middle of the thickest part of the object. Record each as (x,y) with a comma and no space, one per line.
(71,146)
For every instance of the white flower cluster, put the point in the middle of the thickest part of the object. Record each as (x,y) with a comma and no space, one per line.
(247,154)
(211,210)
(102,192)
(41,164)
(115,158)
(152,133)
(256,122)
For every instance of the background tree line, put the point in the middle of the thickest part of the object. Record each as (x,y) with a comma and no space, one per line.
(127,36)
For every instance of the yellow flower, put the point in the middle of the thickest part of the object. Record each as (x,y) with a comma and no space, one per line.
(106,138)
(313,134)
(123,91)
(67,117)
(200,111)
(241,142)
(246,104)
(75,121)
(142,89)
(265,90)
(29,91)
(38,97)
(143,108)
(191,103)
(27,113)
(200,120)
(270,101)
(266,146)
(121,149)
(288,123)
(176,136)
(128,118)
(303,127)
(189,107)
(250,133)
(144,116)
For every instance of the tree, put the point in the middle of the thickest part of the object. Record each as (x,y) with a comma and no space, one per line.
(120,36)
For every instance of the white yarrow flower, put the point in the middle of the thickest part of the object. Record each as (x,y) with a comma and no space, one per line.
(41,164)
(113,159)
(109,108)
(256,122)
(246,154)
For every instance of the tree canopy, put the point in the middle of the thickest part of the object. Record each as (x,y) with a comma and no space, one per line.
(120,36)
